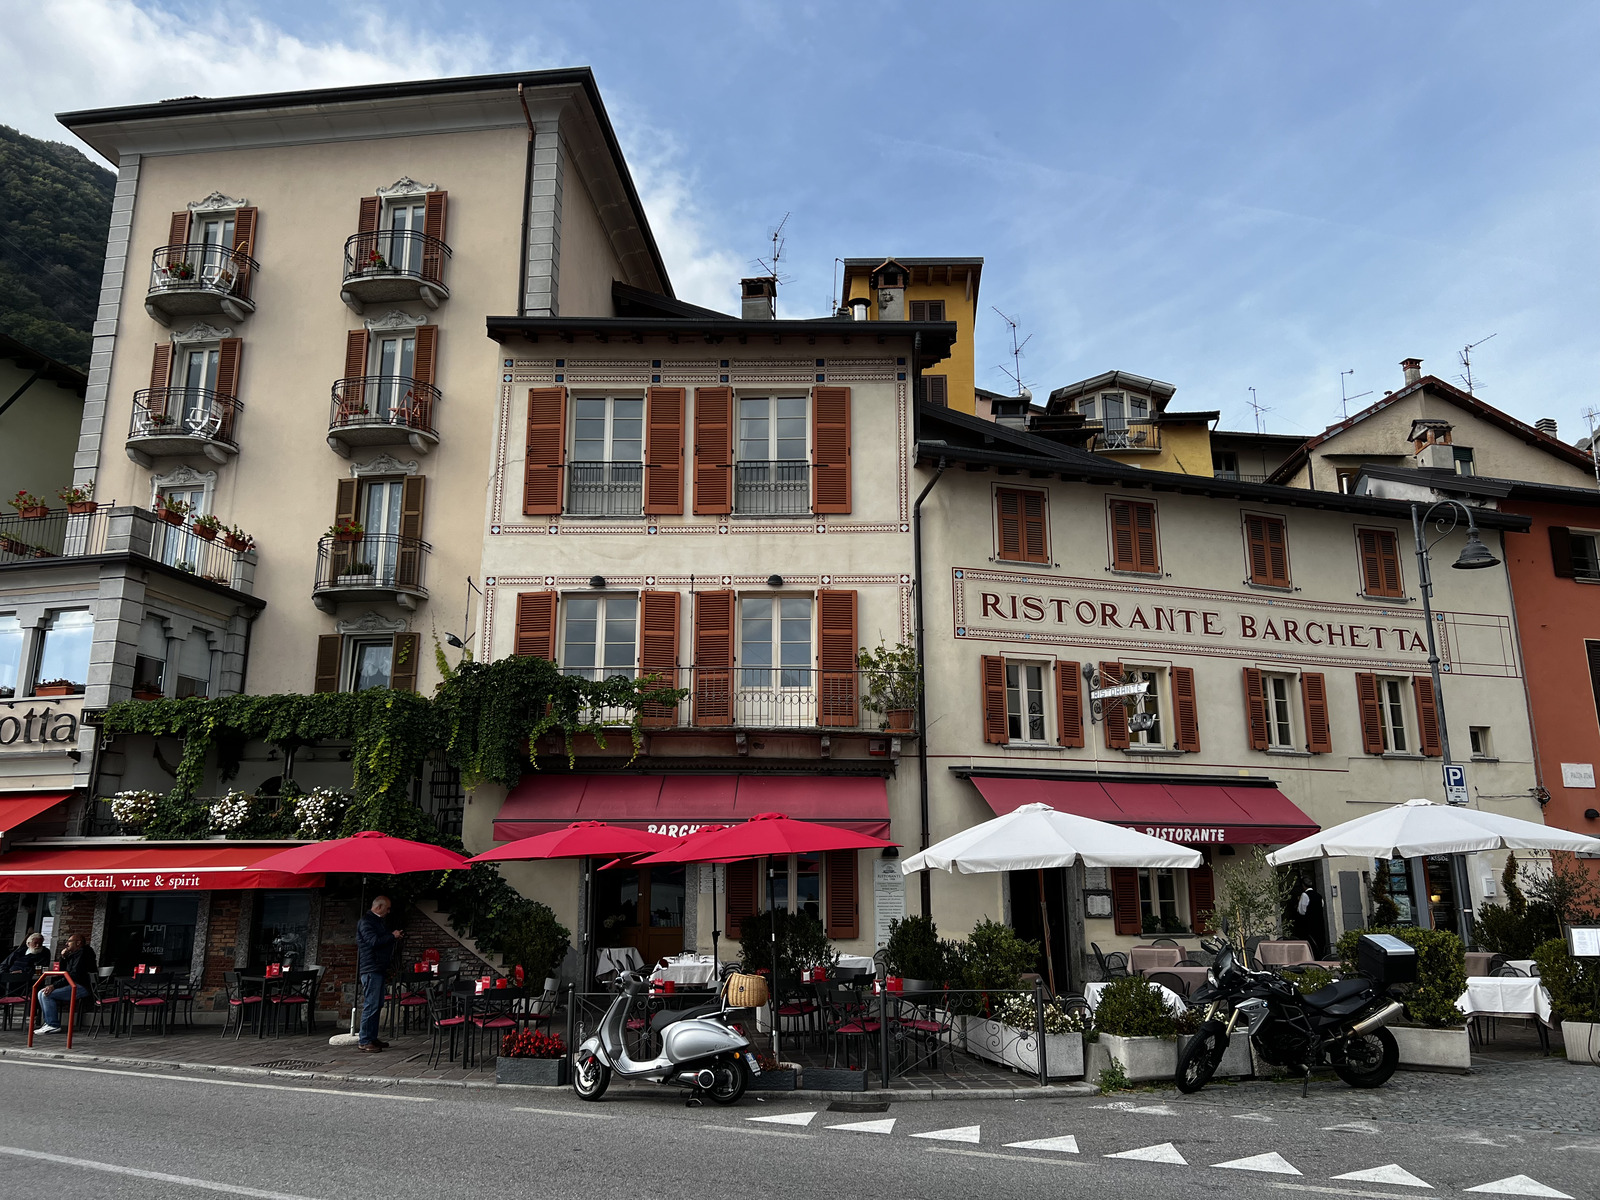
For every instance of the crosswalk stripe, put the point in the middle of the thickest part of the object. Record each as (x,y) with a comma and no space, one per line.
(1271,1162)
(886,1125)
(1518,1185)
(796,1118)
(961,1133)
(1166,1152)
(1393,1173)
(1066,1144)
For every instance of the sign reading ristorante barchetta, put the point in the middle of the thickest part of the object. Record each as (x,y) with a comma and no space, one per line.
(1001,606)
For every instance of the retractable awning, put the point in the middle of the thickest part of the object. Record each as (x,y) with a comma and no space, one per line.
(17,807)
(142,869)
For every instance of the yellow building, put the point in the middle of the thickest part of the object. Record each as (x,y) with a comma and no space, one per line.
(1126,418)
(923,289)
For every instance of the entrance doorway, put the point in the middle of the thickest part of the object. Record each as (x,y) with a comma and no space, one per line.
(642,908)
(1027,920)
(1444,904)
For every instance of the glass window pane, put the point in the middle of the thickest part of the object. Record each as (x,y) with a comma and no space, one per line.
(754,428)
(620,612)
(373,661)
(10,654)
(66,648)
(582,624)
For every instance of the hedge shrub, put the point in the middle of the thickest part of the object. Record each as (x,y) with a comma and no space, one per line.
(1441,972)
(1573,984)
(1132,1008)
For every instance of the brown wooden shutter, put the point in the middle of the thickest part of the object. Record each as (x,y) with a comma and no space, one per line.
(536,626)
(544,464)
(1561,552)
(1186,709)
(403,672)
(367,216)
(1319,726)
(1591,650)
(1380,562)
(425,361)
(1125,901)
(713,451)
(244,245)
(1268,550)
(408,566)
(935,310)
(663,451)
(1277,553)
(936,390)
(229,354)
(160,378)
(841,872)
(1202,897)
(433,217)
(1008,505)
(178,236)
(1123,557)
(919,310)
(992,679)
(1427,716)
(836,658)
(713,657)
(1113,712)
(1069,704)
(1023,536)
(1255,708)
(330,647)
(741,896)
(355,365)
(830,448)
(1035,542)
(1371,713)
(1147,553)
(658,651)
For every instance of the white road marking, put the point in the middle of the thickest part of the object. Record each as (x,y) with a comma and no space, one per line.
(797,1118)
(885,1125)
(1002,1157)
(1066,1144)
(783,1133)
(239,1083)
(1149,1110)
(1518,1185)
(1333,1191)
(1166,1152)
(209,1185)
(1253,1117)
(1271,1162)
(1393,1173)
(961,1133)
(568,1112)
(1353,1127)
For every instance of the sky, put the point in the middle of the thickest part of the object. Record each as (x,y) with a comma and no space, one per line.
(1224,196)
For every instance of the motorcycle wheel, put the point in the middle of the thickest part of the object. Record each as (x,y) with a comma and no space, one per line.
(732,1079)
(590,1077)
(1369,1059)
(1202,1056)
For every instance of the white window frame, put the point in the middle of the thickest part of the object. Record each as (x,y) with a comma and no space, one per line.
(775,702)
(353,644)
(772,397)
(1023,691)
(37,672)
(1149,896)
(1156,699)
(1395,708)
(599,671)
(14,686)
(616,488)
(1283,729)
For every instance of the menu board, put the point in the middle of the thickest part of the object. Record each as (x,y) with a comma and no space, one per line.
(888,897)
(1584,940)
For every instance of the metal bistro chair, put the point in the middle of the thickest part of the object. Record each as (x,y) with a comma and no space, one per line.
(1168,980)
(844,1022)
(151,997)
(1113,965)
(445,1021)
(294,996)
(14,995)
(1166,941)
(240,1004)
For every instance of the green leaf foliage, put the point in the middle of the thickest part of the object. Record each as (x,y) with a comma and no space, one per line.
(1441,972)
(915,951)
(1132,1008)
(993,957)
(1573,983)
(802,944)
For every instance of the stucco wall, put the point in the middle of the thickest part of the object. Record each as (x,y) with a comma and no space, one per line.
(38,435)
(589,262)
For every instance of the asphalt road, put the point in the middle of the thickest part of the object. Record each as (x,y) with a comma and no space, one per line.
(103,1131)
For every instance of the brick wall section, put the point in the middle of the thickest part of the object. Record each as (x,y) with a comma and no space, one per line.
(8,920)
(222,939)
(77,916)
(337,949)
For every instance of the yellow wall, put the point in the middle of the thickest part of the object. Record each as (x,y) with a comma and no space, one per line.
(959,368)
(38,435)
(1185,449)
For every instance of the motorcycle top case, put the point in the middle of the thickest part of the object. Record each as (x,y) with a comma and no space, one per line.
(1385,959)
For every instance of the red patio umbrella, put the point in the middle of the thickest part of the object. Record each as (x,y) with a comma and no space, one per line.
(581,839)
(367,853)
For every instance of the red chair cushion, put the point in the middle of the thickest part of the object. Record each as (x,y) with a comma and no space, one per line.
(150,1001)
(855,1027)
(288,999)
(796,1010)
(413,1001)
(451,1021)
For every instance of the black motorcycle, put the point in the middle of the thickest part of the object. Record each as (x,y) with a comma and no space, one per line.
(1342,1024)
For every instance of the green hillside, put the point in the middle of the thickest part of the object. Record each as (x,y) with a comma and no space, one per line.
(55,208)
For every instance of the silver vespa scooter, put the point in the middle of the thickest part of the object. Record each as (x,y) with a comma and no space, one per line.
(698,1050)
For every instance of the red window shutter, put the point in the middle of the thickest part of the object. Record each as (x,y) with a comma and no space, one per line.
(1277,552)
(741,896)
(329,649)
(1319,727)
(1380,562)
(425,362)
(1008,508)
(244,245)
(1123,557)
(1113,711)
(1035,543)
(713,657)
(1125,900)
(713,451)
(1427,716)
(1255,536)
(1255,708)
(1147,553)
(1561,552)
(658,651)
(992,673)
(1371,713)
(160,377)
(536,626)
(1202,898)
(1186,709)
(663,451)
(403,673)
(544,464)
(408,565)
(433,219)
(830,448)
(367,217)
(1069,704)
(836,658)
(178,236)
(844,894)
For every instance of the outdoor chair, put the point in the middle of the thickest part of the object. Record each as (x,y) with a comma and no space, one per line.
(1495,963)
(798,1016)
(240,1004)
(921,1027)
(149,996)
(294,995)
(14,989)
(1509,973)
(1166,979)
(843,1023)
(1113,965)
(444,1023)
(183,1001)
(1165,941)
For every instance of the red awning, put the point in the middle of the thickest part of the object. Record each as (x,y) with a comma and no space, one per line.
(142,869)
(17,807)
(1192,814)
(677,805)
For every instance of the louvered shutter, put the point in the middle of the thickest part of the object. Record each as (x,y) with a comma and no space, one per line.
(1069,704)
(1255,536)
(345,500)
(1380,563)
(408,567)
(935,310)
(1035,545)
(1389,548)
(1202,897)
(1561,552)
(433,220)
(1186,709)
(1255,708)
(545,453)
(830,448)
(1147,555)
(1371,713)
(229,353)
(329,648)
(936,390)
(1008,505)
(836,658)
(919,310)
(713,658)
(844,894)
(1591,651)
(425,361)
(713,451)
(1319,727)
(1123,557)
(1125,900)
(352,388)
(741,896)
(1113,712)
(160,379)
(1277,553)
(403,672)
(178,238)
(1427,716)
(244,246)
(992,679)
(536,626)
(368,215)
(658,651)
(663,451)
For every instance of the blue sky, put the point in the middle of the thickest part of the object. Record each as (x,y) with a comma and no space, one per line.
(1221,195)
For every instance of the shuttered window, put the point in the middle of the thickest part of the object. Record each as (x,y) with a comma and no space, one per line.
(1591,651)
(1133,537)
(160,376)
(1069,704)
(830,449)
(836,658)
(936,390)
(992,682)
(536,625)
(713,658)
(1125,900)
(177,236)
(425,359)
(1185,709)
(927,310)
(1427,716)
(741,896)
(842,879)
(403,674)
(330,648)
(1371,710)
(433,226)
(408,565)
(1202,898)
(713,451)
(1255,708)
(230,354)
(1314,697)
(245,221)
(663,451)
(1267,549)
(1380,562)
(1022,535)
(545,451)
(658,651)
(1114,716)
(373,662)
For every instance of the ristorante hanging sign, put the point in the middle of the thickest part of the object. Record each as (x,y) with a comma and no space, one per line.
(1002,606)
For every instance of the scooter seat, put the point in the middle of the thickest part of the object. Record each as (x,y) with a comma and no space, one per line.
(1337,995)
(672,1016)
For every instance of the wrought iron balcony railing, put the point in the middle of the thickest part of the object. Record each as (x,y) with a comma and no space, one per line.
(387,253)
(1124,436)
(57,533)
(372,566)
(605,489)
(377,410)
(183,420)
(202,267)
(779,488)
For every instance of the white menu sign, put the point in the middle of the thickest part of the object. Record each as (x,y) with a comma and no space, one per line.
(1577,775)
(888,897)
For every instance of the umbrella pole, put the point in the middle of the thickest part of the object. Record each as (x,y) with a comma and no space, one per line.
(772,992)
(1044,916)
(716,964)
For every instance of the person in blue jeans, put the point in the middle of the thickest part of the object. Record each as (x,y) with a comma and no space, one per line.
(78,961)
(375,947)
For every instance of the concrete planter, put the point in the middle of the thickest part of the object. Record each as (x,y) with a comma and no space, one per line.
(1143,1058)
(784,1079)
(1013,1047)
(1433,1049)
(1582,1039)
(827,1079)
(1237,1061)
(531,1072)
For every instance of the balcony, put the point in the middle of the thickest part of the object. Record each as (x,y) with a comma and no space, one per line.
(184,548)
(200,279)
(388,265)
(1238,477)
(57,534)
(61,535)
(382,410)
(781,488)
(175,422)
(384,567)
(1124,437)
(605,489)
(792,698)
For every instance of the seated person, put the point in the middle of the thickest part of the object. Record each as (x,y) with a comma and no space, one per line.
(31,957)
(78,961)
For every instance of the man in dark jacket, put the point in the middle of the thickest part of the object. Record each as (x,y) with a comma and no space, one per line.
(375,947)
(78,961)
(32,956)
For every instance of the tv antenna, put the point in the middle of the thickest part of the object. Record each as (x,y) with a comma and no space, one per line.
(1258,408)
(770,266)
(1589,414)
(1344,400)
(1014,372)
(1466,365)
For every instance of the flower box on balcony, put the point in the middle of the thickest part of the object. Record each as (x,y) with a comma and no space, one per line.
(174,516)
(205,532)
(83,507)
(900,719)
(11,545)
(146,694)
(33,512)
(57,689)
(355,579)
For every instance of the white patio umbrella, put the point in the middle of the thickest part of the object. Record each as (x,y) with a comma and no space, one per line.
(1418,828)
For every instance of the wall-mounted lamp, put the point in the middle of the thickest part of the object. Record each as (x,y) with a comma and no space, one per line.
(597,581)
(774,580)
(1591,814)
(891,852)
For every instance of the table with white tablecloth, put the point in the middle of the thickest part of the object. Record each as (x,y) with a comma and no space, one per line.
(1174,1002)
(1507,996)
(609,961)
(687,970)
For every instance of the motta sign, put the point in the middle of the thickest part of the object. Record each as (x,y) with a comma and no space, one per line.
(35,725)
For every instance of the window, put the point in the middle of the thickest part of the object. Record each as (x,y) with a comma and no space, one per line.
(1573,554)
(775,642)
(1086,407)
(1380,562)
(405,218)
(150,667)
(606,473)
(394,359)
(1021,534)
(379,507)
(1144,712)
(1224,464)
(1482,746)
(808,885)
(215,234)
(1463,457)
(773,476)
(371,663)
(194,666)
(196,376)
(1279,692)
(64,656)
(178,545)
(1025,702)
(1266,550)
(598,637)
(927,310)
(150,930)
(10,654)
(281,928)
(357,663)
(936,390)
(1133,537)
(1158,901)
(1392,712)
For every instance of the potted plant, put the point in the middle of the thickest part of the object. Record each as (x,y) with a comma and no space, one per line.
(376,261)
(79,500)
(533,1058)
(57,687)
(238,540)
(893,681)
(134,810)
(1136,1031)
(1434,1032)
(355,573)
(775,1076)
(29,506)
(173,512)
(180,272)
(346,530)
(207,527)
(144,692)
(1573,984)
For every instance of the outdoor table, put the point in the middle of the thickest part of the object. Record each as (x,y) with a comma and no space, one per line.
(142,993)
(1192,977)
(689,970)
(1284,954)
(1526,965)
(1478,963)
(1174,1002)
(1148,958)
(1510,996)
(618,958)
(857,962)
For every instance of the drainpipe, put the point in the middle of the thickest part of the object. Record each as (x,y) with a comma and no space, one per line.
(527,199)
(922,671)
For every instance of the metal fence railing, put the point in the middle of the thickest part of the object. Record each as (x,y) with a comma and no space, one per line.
(57,534)
(381,253)
(768,698)
(780,488)
(1126,435)
(202,267)
(605,489)
(383,561)
(397,402)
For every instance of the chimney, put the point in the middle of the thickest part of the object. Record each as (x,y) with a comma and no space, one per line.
(1546,425)
(759,298)
(1413,370)
(860,307)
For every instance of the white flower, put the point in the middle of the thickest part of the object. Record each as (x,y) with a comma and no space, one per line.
(134,809)
(320,812)
(232,811)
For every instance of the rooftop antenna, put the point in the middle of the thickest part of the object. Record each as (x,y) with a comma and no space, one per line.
(1014,372)
(1344,400)
(770,266)
(1466,364)
(1589,415)
(1259,409)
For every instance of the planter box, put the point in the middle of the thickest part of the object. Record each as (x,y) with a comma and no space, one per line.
(1433,1049)
(785,1079)
(826,1079)
(359,579)
(56,689)
(1582,1039)
(1143,1058)
(1013,1047)
(1236,1060)
(81,508)
(533,1072)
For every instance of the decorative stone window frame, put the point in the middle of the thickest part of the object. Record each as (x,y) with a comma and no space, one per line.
(200,334)
(393,321)
(185,476)
(371,623)
(403,188)
(217,202)
(382,466)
